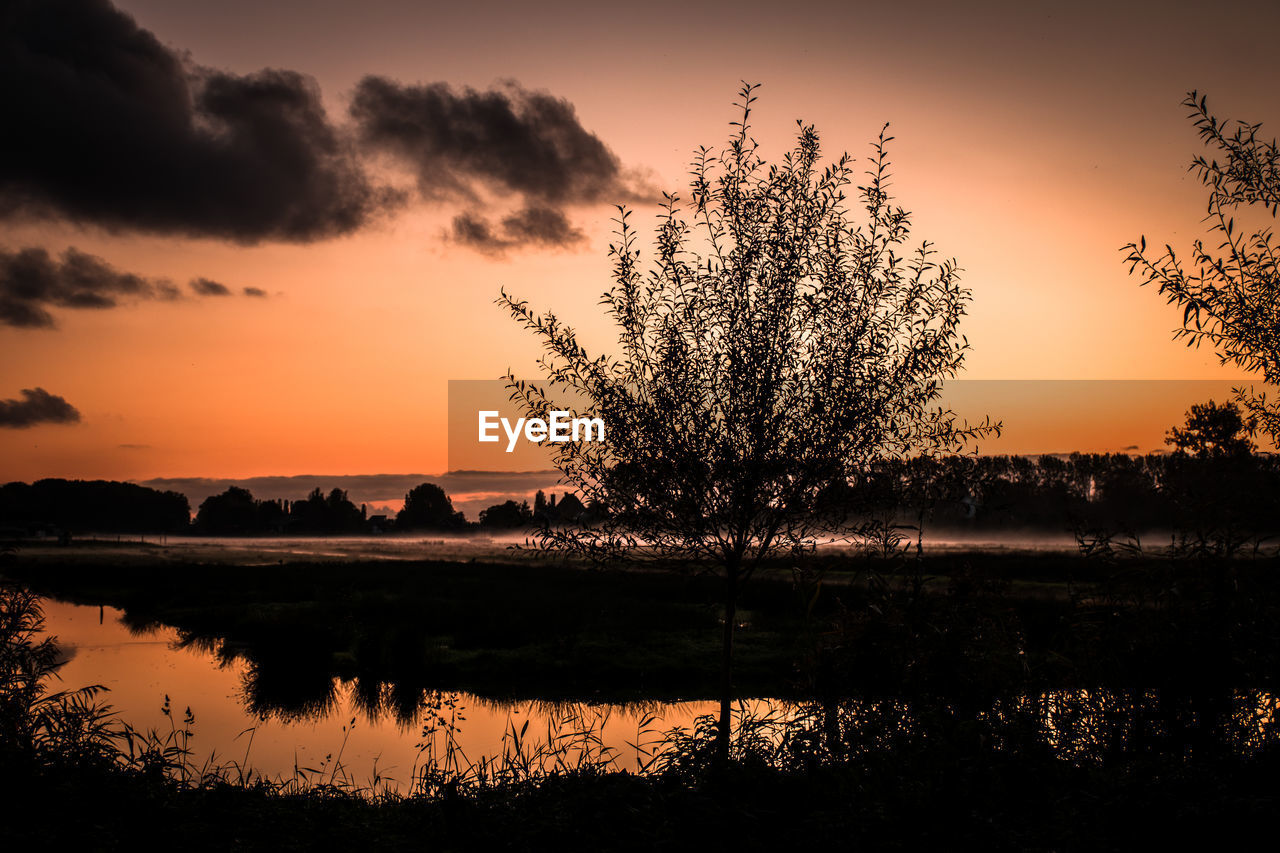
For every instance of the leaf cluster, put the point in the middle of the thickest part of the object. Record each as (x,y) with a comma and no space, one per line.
(1229,292)
(773,347)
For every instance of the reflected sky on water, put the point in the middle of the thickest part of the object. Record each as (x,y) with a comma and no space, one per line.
(141,667)
(375,731)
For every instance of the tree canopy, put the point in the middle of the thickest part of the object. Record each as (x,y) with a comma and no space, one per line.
(92,506)
(1229,293)
(427,507)
(773,348)
(1212,431)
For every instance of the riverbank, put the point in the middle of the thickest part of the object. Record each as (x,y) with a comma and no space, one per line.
(1017,701)
(522,628)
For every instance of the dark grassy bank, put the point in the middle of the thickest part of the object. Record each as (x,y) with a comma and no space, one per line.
(1130,711)
(534,629)
(927,800)
(981,623)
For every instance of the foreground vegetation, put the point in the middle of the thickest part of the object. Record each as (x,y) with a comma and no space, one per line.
(949,701)
(1117,769)
(905,796)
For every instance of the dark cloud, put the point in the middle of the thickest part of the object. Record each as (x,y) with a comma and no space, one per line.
(538,226)
(32,281)
(37,406)
(208,287)
(105,125)
(134,446)
(521,141)
(510,140)
(473,229)
(255,292)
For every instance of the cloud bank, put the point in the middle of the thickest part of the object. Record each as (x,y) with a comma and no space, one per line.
(106,126)
(531,226)
(510,141)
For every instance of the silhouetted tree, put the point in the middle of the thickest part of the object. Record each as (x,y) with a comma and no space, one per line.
(1212,431)
(427,507)
(273,516)
(97,506)
(320,514)
(232,512)
(773,350)
(345,516)
(1229,293)
(506,515)
(1220,495)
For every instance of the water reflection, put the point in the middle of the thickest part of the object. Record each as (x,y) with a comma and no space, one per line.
(1096,726)
(281,712)
(287,712)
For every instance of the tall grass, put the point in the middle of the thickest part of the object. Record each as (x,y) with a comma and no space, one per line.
(37,722)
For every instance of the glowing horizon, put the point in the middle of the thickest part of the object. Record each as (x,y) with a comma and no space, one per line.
(1030,145)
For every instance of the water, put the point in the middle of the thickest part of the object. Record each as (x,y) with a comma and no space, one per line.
(141,669)
(347,740)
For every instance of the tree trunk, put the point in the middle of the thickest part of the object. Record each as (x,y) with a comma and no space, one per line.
(726,671)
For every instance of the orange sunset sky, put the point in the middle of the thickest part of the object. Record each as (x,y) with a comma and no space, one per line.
(1032,142)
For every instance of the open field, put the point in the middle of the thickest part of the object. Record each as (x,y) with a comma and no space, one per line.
(251,550)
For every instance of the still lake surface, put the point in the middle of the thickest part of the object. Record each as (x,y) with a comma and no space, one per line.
(347,743)
(141,668)
(345,739)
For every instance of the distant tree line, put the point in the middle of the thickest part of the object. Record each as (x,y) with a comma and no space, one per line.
(1121,492)
(236,512)
(81,506)
(510,515)
(63,507)
(1179,490)
(426,507)
(1212,479)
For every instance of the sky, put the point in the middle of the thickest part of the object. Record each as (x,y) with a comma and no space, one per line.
(254,239)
